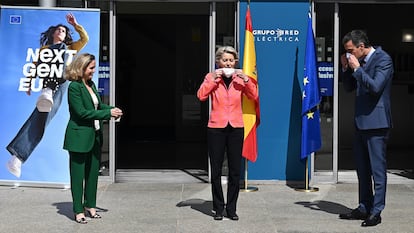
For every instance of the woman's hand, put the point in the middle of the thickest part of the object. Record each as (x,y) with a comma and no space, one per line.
(242,75)
(29,90)
(116,112)
(217,74)
(71,19)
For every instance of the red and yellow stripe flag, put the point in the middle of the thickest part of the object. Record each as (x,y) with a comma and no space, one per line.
(251,113)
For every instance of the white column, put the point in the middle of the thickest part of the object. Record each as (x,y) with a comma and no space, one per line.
(112,79)
(47,3)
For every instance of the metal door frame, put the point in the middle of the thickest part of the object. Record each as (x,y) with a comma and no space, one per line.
(330,176)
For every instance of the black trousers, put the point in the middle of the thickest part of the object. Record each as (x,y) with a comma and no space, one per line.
(221,140)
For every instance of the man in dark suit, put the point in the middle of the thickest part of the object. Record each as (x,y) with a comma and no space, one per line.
(369,71)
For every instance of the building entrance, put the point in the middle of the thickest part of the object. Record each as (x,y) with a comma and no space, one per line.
(161,60)
(387,32)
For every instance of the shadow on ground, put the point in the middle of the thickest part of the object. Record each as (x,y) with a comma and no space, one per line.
(326,206)
(200,205)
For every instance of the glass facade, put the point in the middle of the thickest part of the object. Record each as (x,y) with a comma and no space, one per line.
(147,36)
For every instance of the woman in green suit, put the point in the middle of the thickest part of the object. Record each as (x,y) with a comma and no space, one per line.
(83,137)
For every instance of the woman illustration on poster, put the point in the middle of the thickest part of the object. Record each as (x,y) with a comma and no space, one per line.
(55,38)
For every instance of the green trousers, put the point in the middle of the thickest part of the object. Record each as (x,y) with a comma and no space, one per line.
(84,171)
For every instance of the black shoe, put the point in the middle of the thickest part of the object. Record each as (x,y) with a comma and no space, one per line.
(81,220)
(372,220)
(218,216)
(355,214)
(233,217)
(89,212)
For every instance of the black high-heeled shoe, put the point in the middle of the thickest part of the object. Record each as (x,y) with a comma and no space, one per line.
(218,217)
(96,215)
(234,217)
(81,220)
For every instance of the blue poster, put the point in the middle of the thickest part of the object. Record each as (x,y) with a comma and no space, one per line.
(279,29)
(326,78)
(103,85)
(36,44)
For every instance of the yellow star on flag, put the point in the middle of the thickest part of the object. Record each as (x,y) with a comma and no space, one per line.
(305,81)
(310,115)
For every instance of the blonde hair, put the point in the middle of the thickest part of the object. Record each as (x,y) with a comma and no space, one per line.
(226,49)
(76,69)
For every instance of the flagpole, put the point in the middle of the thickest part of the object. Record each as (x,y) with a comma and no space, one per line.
(307,189)
(311,135)
(247,188)
(249,68)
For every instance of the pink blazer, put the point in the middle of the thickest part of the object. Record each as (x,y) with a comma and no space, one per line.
(226,104)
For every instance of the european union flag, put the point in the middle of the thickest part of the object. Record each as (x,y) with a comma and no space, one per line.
(15,19)
(311,131)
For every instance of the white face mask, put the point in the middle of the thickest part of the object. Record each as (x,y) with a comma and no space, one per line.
(228,72)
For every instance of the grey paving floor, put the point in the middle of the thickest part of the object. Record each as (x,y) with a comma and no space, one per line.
(186,207)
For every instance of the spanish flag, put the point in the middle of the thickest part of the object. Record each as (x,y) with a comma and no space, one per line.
(251,113)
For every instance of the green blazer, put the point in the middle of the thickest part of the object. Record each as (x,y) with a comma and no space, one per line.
(80,131)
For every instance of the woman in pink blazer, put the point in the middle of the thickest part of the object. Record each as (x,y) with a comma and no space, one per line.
(226,87)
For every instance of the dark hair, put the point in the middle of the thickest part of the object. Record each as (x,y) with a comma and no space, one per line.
(357,37)
(46,37)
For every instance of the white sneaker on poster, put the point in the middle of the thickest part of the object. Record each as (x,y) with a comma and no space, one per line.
(14,165)
(45,100)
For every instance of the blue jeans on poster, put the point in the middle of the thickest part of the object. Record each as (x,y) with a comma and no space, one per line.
(33,129)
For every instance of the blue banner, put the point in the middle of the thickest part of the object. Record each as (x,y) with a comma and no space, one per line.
(36,138)
(326,78)
(103,85)
(279,29)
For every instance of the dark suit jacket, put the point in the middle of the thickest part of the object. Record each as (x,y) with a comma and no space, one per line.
(373,84)
(80,131)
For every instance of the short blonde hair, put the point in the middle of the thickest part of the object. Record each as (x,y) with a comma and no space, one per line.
(226,49)
(76,69)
